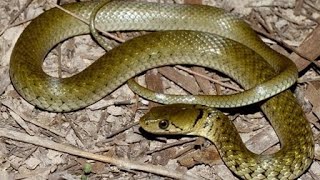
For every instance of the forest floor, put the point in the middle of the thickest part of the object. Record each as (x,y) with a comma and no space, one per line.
(104,140)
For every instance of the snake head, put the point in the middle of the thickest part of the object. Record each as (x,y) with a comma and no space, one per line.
(175,119)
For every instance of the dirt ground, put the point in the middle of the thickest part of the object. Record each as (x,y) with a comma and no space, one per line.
(106,135)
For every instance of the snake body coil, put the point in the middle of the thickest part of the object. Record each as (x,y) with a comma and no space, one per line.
(232,57)
(120,64)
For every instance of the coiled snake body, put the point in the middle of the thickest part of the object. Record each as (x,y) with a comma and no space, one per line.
(257,68)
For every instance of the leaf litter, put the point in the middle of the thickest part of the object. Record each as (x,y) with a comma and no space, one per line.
(288,26)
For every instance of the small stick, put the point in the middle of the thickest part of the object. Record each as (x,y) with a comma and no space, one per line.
(171,145)
(31,120)
(16,16)
(75,129)
(304,80)
(208,78)
(123,164)
(21,122)
(122,129)
(59,61)
(104,114)
(87,22)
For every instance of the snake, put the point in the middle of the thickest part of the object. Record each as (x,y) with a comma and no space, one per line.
(186,34)
(80,90)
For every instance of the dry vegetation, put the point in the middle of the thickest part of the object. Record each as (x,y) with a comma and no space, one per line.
(108,127)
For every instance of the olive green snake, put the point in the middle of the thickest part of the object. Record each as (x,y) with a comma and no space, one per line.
(218,40)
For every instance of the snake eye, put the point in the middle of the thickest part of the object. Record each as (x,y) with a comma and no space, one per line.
(163,124)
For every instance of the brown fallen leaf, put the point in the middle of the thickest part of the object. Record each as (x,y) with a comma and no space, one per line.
(188,83)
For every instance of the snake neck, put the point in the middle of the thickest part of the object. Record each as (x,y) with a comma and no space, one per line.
(289,162)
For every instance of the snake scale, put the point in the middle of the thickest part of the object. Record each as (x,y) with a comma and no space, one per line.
(221,43)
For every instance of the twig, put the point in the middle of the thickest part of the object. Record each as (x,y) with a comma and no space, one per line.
(262,21)
(278,40)
(289,19)
(208,78)
(204,84)
(124,164)
(16,16)
(87,22)
(216,85)
(304,80)
(103,103)
(30,120)
(307,2)
(75,129)
(187,83)
(122,129)
(21,122)
(103,116)
(59,61)
(171,145)
(18,23)
(29,153)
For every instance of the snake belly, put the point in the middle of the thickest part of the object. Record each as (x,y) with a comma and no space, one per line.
(121,64)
